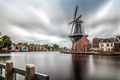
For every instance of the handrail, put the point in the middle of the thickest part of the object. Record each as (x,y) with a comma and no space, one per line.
(2,65)
(19,71)
(29,74)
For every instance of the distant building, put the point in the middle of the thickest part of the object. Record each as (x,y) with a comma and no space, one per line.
(20,47)
(13,46)
(109,44)
(36,47)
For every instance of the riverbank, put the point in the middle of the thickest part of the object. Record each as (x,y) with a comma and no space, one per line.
(2,55)
(92,53)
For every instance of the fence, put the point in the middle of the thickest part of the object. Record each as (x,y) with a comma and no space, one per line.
(10,72)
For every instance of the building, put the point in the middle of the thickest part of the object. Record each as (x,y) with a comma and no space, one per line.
(108,44)
(116,47)
(13,46)
(82,45)
(117,44)
(78,37)
(20,47)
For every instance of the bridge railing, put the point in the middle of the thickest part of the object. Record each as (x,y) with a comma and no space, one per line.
(8,72)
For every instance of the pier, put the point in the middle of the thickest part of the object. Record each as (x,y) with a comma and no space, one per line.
(8,72)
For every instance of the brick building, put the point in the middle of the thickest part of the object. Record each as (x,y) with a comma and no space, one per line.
(82,45)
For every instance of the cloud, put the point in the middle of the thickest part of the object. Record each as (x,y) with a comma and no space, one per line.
(36,20)
(105,22)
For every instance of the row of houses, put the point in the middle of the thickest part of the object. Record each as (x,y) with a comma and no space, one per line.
(20,47)
(108,44)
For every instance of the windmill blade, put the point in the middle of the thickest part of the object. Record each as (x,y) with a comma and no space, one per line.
(72,28)
(75,11)
(79,16)
(71,22)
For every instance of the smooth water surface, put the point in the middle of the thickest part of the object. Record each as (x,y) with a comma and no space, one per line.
(69,66)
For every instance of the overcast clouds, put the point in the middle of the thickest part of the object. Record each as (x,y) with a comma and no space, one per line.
(38,20)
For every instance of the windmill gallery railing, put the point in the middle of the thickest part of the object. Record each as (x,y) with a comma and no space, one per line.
(8,72)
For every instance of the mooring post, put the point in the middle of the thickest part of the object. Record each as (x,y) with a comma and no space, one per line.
(30,72)
(0,71)
(9,70)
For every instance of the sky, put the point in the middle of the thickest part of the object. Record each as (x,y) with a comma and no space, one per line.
(46,21)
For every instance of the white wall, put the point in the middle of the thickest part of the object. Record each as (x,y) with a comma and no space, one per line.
(106,46)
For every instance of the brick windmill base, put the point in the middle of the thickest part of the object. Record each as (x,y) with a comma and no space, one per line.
(82,45)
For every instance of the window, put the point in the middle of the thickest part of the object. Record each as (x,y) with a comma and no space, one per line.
(102,45)
(111,44)
(109,50)
(102,49)
(107,44)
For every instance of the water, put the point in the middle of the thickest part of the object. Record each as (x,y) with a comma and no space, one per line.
(69,66)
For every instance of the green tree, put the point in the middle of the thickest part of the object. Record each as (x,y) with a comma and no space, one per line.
(0,34)
(7,42)
(1,44)
(46,46)
(56,47)
(26,44)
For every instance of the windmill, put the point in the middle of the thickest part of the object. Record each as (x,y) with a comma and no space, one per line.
(77,30)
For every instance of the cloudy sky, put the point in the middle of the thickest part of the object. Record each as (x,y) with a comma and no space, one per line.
(44,21)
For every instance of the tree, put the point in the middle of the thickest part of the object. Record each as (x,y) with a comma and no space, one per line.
(1,44)
(7,42)
(46,46)
(56,47)
(26,44)
(0,34)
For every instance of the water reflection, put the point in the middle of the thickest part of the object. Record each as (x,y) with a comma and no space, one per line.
(91,67)
(69,66)
(3,59)
(103,67)
(80,63)
(58,66)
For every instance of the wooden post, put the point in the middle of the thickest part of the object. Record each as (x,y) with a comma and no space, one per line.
(14,76)
(30,72)
(9,70)
(0,71)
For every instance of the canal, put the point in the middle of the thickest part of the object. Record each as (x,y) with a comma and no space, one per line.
(69,66)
